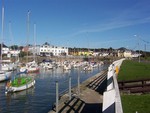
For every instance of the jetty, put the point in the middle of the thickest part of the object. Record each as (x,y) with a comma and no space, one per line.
(87,98)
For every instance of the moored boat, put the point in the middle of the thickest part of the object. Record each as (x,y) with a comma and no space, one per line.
(30,67)
(5,75)
(19,83)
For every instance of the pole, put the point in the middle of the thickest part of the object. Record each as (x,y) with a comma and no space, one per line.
(78,83)
(2,31)
(138,45)
(139,51)
(69,87)
(28,34)
(57,97)
(34,51)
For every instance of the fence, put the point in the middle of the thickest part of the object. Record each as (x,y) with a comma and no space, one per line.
(111,97)
(135,86)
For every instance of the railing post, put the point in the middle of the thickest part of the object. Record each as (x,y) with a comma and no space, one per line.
(69,87)
(78,84)
(57,96)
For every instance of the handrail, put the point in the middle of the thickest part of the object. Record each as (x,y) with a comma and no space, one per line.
(111,97)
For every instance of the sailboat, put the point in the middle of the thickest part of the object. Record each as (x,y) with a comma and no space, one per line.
(8,65)
(3,74)
(30,67)
(20,83)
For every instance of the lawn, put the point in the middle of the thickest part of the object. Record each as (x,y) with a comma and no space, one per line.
(133,103)
(132,70)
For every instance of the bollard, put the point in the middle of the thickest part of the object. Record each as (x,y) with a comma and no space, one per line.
(57,97)
(69,87)
(78,84)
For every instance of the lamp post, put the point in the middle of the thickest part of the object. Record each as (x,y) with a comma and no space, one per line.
(138,46)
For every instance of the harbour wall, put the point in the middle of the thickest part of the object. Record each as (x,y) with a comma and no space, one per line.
(111,97)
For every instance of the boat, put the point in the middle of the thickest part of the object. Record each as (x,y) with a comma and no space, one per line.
(19,83)
(87,68)
(7,65)
(5,75)
(67,67)
(47,64)
(30,67)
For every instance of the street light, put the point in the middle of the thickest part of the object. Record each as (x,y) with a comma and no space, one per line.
(138,46)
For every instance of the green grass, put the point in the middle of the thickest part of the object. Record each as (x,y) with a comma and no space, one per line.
(133,103)
(132,70)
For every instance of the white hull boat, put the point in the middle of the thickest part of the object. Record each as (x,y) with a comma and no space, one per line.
(19,84)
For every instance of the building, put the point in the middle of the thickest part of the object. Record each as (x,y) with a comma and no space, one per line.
(35,49)
(47,50)
(120,53)
(9,52)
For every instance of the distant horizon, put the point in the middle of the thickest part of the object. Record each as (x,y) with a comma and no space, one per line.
(78,23)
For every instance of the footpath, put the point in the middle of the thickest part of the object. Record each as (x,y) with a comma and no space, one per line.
(88,100)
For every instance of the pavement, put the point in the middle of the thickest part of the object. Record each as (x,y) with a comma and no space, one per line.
(90,98)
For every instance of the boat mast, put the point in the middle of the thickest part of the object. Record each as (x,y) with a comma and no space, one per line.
(28,34)
(34,52)
(2,35)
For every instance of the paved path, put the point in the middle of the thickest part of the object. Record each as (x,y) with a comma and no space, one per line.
(90,99)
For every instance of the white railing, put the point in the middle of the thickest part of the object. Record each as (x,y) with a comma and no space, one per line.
(111,97)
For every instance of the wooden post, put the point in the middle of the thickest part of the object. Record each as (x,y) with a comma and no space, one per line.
(57,96)
(78,83)
(69,87)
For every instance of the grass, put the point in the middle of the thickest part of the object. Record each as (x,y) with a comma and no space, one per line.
(133,103)
(132,70)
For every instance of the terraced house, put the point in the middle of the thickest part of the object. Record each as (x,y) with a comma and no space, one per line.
(48,50)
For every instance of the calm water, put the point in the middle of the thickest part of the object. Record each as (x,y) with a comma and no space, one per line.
(40,98)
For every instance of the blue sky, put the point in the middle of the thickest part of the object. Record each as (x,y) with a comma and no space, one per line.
(79,23)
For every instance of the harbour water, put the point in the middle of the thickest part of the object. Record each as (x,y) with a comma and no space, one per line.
(41,97)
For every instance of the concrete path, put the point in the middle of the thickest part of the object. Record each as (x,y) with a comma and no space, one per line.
(90,99)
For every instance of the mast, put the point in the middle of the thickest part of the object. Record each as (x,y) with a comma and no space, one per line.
(28,34)
(34,40)
(2,35)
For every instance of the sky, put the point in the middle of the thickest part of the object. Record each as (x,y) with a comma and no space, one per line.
(77,23)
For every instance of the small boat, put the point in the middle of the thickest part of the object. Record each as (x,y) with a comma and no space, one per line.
(67,67)
(7,65)
(5,75)
(87,68)
(30,67)
(47,64)
(19,83)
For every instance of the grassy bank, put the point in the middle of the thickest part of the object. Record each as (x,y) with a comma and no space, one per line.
(131,70)
(133,103)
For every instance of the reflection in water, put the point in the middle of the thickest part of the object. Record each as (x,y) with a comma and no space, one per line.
(21,94)
(2,85)
(39,99)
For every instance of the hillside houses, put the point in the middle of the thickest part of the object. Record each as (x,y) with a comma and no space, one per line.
(50,50)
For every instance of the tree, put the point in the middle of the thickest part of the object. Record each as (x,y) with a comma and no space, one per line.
(14,47)
(46,43)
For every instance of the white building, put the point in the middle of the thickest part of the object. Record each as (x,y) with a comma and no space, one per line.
(48,50)
(131,54)
(35,49)
(128,54)
(9,52)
